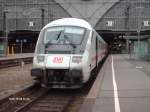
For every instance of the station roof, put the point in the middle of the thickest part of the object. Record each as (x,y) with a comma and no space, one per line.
(91,10)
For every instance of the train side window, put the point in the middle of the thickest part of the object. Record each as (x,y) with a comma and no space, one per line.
(99,44)
(96,42)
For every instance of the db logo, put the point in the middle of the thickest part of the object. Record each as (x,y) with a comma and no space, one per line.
(57,59)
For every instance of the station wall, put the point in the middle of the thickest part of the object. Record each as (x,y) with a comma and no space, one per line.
(126,15)
(29,14)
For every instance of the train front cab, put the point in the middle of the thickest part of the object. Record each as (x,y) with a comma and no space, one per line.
(61,64)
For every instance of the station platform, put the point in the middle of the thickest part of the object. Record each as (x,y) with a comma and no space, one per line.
(16,56)
(123,85)
(14,79)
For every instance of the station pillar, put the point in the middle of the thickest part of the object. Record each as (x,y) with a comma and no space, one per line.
(127,45)
(148,53)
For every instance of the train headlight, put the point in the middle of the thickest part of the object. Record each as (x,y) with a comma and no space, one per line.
(76,59)
(40,59)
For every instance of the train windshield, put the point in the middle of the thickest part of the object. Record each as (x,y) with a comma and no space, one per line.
(63,40)
(64,35)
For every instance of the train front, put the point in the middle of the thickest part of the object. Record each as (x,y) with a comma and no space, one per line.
(58,59)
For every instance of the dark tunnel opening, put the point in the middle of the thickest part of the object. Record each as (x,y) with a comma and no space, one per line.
(117,40)
(22,41)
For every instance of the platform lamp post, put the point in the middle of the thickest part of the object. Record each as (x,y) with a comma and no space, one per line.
(42,17)
(139,27)
(21,41)
(127,27)
(5,28)
(21,44)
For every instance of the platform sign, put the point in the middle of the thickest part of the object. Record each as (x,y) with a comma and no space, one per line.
(146,23)
(109,23)
(31,23)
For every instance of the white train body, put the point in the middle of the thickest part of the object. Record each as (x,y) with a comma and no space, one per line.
(67,51)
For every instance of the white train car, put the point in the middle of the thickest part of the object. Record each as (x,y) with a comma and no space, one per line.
(67,51)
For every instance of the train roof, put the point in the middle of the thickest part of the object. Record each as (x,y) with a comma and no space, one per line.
(70,22)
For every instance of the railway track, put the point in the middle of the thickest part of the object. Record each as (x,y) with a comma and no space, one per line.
(37,99)
(15,62)
(56,101)
(21,98)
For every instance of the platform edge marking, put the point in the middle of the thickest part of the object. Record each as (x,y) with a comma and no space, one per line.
(116,98)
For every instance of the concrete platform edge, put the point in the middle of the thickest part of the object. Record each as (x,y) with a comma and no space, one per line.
(89,102)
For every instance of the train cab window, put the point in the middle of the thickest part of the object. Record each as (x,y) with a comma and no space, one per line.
(64,35)
(63,39)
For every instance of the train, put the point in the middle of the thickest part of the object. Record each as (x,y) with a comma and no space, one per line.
(67,51)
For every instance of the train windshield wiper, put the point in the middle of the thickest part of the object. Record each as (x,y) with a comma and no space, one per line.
(59,35)
(47,44)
